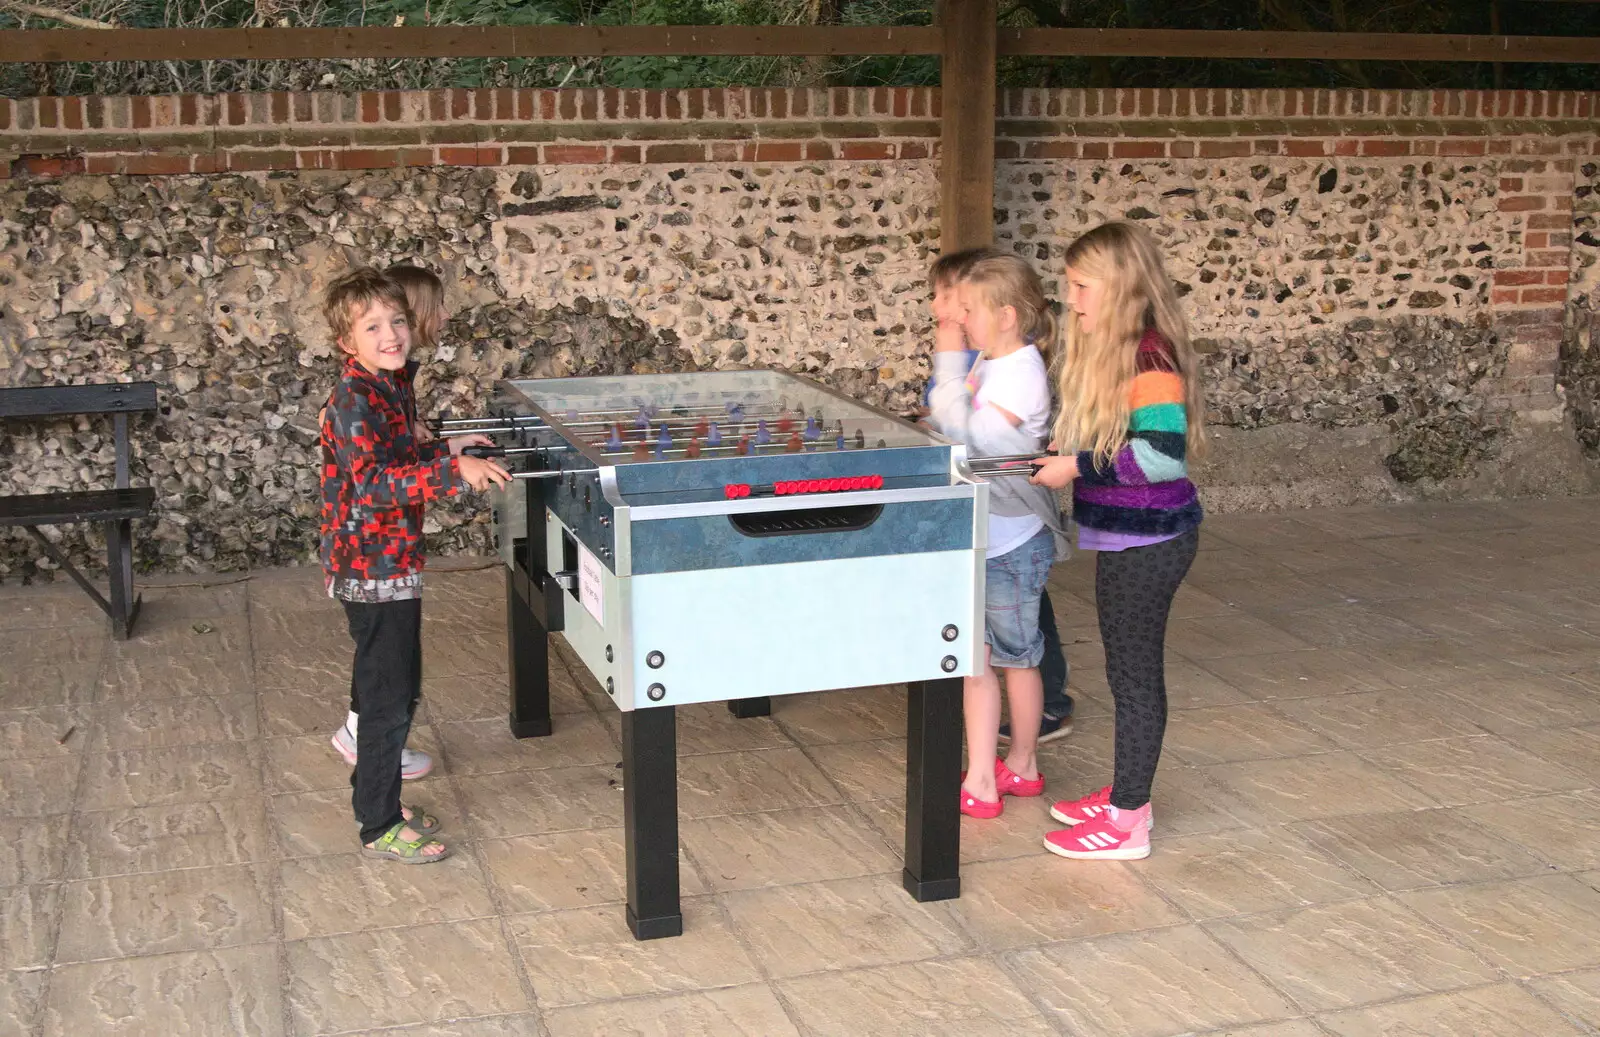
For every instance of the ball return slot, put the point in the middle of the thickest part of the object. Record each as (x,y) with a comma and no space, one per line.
(847,518)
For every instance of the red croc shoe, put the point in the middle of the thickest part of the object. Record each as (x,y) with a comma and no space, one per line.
(1010,784)
(972,806)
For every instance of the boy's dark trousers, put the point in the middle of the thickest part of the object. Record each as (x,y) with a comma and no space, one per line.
(387,680)
(1052,668)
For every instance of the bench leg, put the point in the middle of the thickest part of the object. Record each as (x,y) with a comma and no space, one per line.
(119,563)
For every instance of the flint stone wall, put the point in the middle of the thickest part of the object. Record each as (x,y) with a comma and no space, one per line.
(1580,347)
(1378,325)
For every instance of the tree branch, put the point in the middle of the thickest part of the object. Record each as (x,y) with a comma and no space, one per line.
(55,15)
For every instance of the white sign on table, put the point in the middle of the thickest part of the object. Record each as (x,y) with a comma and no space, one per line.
(589,591)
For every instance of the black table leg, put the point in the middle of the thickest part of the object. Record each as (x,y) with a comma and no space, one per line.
(528,648)
(746,708)
(650,820)
(933,789)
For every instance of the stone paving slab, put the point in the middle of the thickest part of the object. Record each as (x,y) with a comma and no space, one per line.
(1378,813)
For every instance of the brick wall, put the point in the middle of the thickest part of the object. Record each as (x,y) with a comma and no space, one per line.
(1538,137)
(388,129)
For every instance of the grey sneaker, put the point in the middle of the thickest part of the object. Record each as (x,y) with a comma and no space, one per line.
(414,763)
(1050,728)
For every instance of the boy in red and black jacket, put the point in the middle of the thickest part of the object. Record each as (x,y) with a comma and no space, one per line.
(376,477)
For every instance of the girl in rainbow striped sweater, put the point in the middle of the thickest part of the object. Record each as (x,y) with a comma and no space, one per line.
(1131,419)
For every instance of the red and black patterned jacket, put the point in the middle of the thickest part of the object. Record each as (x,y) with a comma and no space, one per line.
(375,479)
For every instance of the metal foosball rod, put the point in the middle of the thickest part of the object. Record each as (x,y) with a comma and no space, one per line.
(490,430)
(740,418)
(681,417)
(505,451)
(652,444)
(652,450)
(679,428)
(682,428)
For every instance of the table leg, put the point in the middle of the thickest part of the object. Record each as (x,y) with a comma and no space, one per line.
(650,821)
(746,708)
(933,789)
(528,650)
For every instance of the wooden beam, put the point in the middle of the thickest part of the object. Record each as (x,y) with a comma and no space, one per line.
(1330,46)
(534,41)
(462,41)
(967,94)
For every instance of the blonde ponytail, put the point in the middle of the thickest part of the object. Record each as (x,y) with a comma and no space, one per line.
(1007,280)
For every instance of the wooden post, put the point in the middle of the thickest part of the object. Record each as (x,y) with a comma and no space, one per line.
(967,92)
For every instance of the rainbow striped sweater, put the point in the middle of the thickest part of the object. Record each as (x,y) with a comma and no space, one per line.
(1144,494)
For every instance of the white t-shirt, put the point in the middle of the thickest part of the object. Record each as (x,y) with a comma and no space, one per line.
(1019,383)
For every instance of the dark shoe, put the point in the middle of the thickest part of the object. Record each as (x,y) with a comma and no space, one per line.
(1050,728)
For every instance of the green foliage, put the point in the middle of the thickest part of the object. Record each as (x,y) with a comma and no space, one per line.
(904,70)
(1401,16)
(669,73)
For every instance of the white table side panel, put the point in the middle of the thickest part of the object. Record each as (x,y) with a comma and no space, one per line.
(807,626)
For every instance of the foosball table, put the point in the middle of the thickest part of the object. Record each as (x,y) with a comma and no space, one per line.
(729,537)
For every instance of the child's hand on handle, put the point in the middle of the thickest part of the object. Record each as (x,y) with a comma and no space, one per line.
(1055,472)
(457,442)
(480,472)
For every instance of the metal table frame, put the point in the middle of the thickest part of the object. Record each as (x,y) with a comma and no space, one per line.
(534,610)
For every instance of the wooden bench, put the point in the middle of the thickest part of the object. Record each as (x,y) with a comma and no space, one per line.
(116,507)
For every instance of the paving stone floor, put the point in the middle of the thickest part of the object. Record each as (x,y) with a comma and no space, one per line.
(1378,813)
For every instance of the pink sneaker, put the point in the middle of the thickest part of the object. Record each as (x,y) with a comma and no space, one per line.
(1090,808)
(1105,838)
(1011,784)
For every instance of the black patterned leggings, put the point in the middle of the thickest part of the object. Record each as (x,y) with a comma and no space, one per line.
(1133,595)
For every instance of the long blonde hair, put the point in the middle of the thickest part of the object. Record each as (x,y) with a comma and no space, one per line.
(425,292)
(1098,367)
(1007,280)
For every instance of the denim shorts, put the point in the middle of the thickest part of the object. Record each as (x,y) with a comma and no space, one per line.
(1013,583)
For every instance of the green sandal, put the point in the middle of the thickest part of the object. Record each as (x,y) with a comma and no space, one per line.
(429,825)
(389,845)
